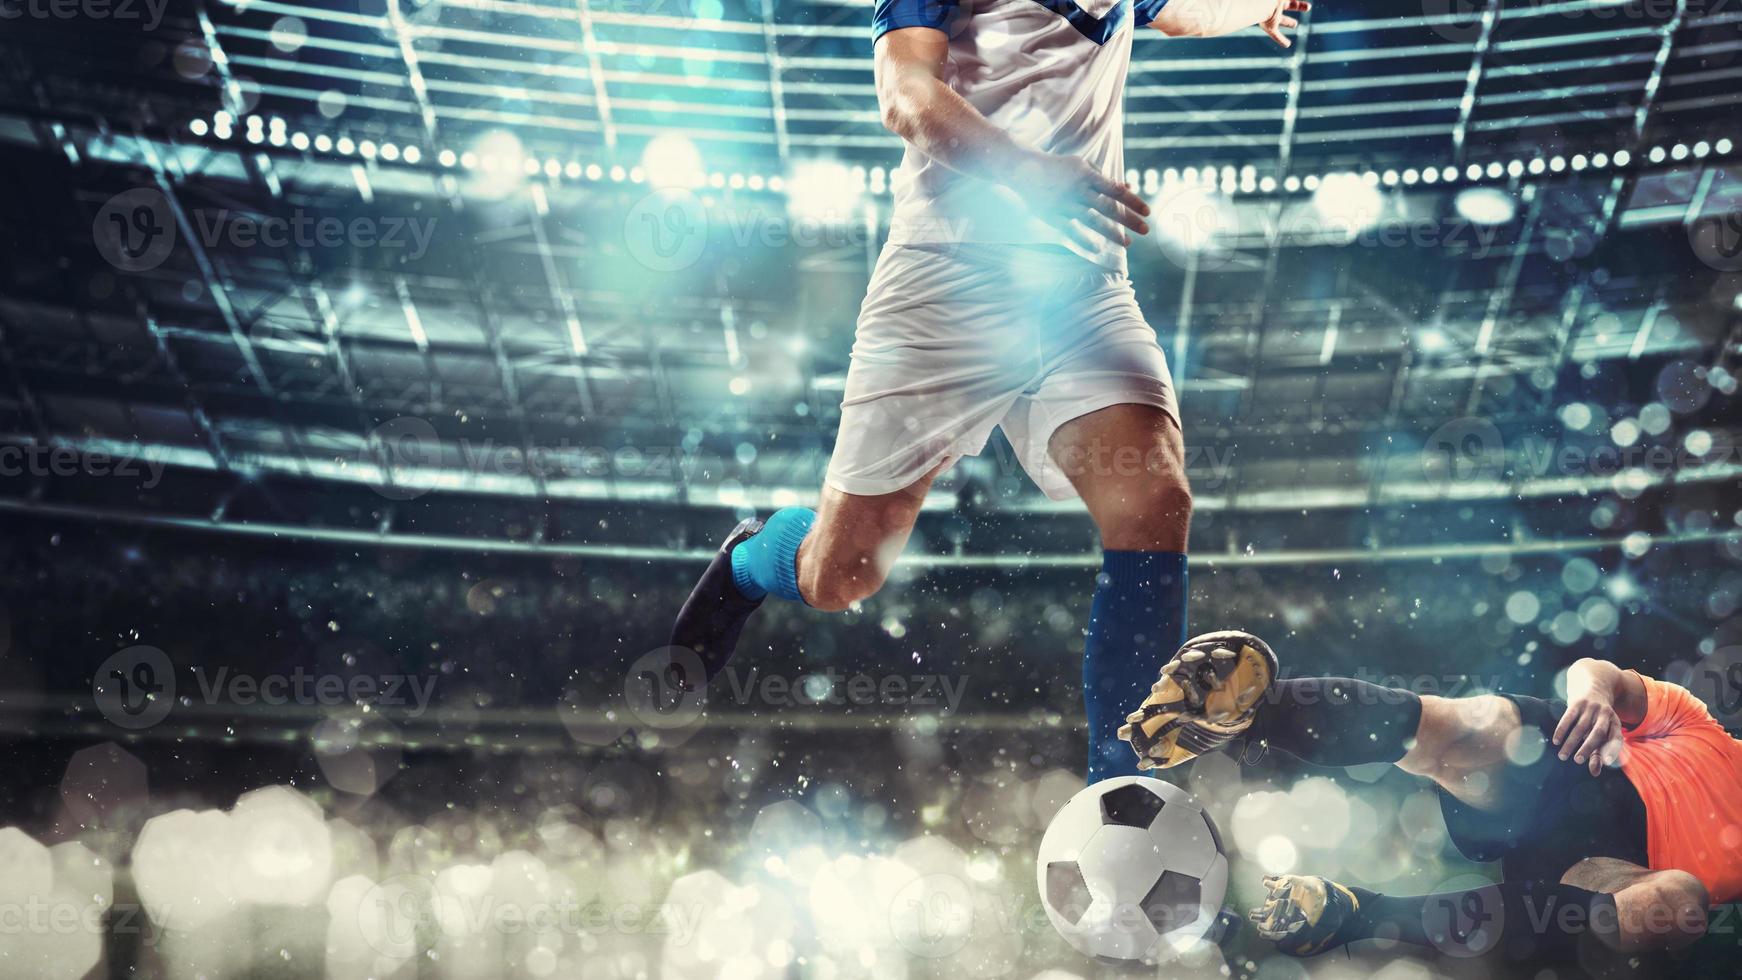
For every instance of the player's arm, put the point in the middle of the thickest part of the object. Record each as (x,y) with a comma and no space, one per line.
(1214,18)
(1602,700)
(919,107)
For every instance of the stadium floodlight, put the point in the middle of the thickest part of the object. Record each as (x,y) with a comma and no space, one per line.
(502,164)
(1431,339)
(1349,202)
(1192,217)
(1485,205)
(821,190)
(671,160)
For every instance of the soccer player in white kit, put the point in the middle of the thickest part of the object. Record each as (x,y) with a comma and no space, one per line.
(1001,299)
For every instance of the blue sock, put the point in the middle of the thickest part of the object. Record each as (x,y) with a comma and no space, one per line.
(767,563)
(1137,622)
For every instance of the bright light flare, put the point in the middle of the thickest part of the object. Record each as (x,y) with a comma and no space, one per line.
(1348,203)
(671,160)
(1485,206)
(822,191)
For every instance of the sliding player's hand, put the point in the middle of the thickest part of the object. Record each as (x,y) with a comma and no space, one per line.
(1084,204)
(1590,733)
(1279,20)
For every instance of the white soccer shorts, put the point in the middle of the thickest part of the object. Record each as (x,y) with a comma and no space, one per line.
(955,339)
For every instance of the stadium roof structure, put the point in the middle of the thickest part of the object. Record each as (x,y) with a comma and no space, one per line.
(1468,217)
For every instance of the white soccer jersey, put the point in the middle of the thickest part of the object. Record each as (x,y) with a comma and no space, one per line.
(1050,73)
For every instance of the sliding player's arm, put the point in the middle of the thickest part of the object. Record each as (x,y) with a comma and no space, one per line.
(1214,18)
(920,108)
(1602,700)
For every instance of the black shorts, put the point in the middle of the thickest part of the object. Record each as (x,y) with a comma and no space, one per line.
(1553,814)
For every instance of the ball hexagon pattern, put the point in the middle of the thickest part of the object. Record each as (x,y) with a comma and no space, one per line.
(1132,869)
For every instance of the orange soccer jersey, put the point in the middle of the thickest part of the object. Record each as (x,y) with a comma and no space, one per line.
(1688,771)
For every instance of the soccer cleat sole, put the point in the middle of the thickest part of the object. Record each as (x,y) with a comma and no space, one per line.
(1207,696)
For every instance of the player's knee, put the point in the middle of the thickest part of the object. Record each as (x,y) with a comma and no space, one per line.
(1149,515)
(1668,910)
(1457,735)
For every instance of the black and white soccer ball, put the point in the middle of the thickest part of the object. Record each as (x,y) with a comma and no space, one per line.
(1132,868)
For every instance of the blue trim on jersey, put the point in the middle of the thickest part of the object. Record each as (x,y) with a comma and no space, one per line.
(1146,10)
(889,15)
(1099,31)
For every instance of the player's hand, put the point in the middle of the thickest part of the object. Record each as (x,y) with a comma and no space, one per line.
(1279,20)
(1590,733)
(1081,202)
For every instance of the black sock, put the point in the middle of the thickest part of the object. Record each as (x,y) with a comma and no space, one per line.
(1336,721)
(1525,921)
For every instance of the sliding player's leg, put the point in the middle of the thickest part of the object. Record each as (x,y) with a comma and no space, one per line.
(1604,904)
(1127,463)
(1534,922)
(1222,686)
(1656,910)
(1461,744)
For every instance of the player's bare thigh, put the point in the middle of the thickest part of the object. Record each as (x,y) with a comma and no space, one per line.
(1462,743)
(1656,910)
(855,542)
(1127,462)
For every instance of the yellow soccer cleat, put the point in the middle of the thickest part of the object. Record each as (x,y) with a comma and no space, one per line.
(1303,915)
(1207,695)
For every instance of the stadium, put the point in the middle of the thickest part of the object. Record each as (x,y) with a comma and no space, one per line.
(379,376)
